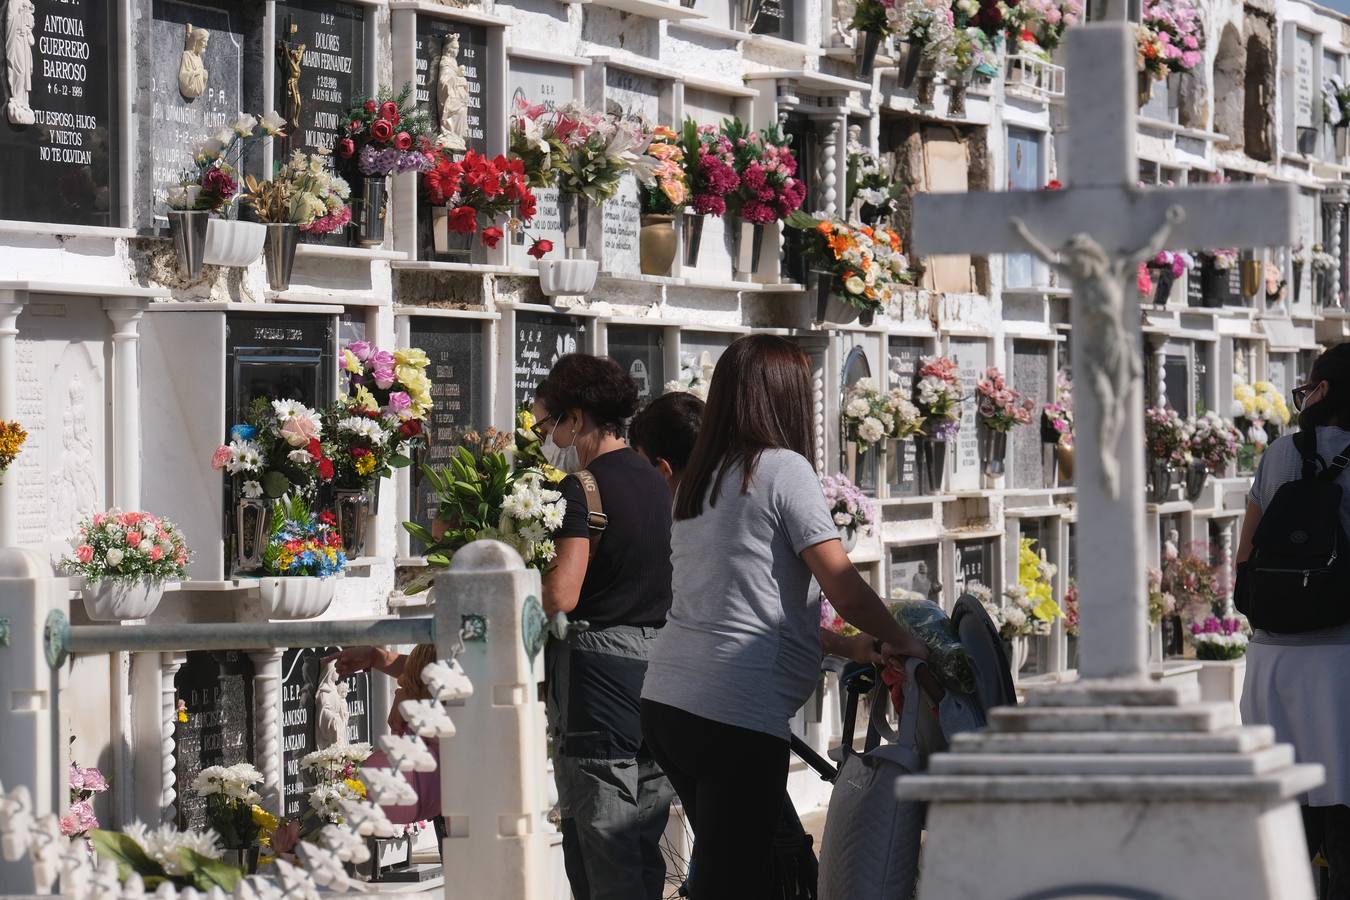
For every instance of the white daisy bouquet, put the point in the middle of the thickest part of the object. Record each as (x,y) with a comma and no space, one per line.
(277,450)
(870,416)
(230,800)
(334,770)
(166,855)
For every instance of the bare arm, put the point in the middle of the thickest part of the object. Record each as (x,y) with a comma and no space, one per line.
(855,600)
(562,583)
(1249,523)
(361,659)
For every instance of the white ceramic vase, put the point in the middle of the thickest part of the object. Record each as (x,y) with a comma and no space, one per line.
(559,277)
(296,597)
(230,242)
(119,601)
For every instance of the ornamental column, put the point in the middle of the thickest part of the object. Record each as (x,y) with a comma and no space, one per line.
(169,664)
(829,168)
(125,313)
(11,303)
(267,750)
(1158,357)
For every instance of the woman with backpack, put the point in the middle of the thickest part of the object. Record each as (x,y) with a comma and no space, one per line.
(1297,597)
(740,652)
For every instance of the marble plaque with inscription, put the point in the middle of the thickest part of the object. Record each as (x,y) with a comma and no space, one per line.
(548,84)
(622,227)
(454,100)
(300,670)
(972,359)
(1306,92)
(62,166)
(974,563)
(1031,378)
(217,688)
(902,462)
(541,339)
(776,20)
(455,348)
(631,95)
(332,72)
(641,351)
(63,394)
(172,123)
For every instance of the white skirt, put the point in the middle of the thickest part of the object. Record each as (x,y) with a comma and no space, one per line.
(1301,691)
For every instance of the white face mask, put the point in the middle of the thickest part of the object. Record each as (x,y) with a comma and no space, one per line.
(564,459)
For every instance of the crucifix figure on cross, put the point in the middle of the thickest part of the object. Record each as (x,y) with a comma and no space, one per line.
(1104,225)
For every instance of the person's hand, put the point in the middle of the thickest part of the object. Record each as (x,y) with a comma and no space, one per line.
(894,655)
(355,659)
(396,723)
(861,648)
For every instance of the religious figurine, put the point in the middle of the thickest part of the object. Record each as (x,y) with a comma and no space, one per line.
(73,489)
(452,96)
(330,709)
(19,60)
(292,57)
(1099,294)
(841,22)
(192,74)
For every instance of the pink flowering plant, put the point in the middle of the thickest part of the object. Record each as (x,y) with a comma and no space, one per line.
(579,150)
(1057,417)
(1192,581)
(80,819)
(850,507)
(127,546)
(998,406)
(1165,435)
(1219,638)
(1160,603)
(710,167)
(1169,38)
(937,394)
(1213,441)
(769,189)
(1041,22)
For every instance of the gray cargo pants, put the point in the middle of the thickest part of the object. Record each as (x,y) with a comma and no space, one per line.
(613,798)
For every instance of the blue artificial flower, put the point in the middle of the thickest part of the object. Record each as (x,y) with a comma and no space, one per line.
(243,432)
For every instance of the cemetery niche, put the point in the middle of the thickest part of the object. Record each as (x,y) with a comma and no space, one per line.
(321,69)
(541,340)
(301,734)
(215,723)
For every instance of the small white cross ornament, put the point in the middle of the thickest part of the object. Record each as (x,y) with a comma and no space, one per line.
(1096,232)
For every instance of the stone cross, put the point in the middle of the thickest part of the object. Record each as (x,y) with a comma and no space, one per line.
(1102,225)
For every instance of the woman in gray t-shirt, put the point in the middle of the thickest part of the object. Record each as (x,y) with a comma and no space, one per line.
(740,652)
(1296,682)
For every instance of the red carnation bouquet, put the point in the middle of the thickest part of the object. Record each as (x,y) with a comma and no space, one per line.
(386,135)
(769,189)
(710,167)
(477,191)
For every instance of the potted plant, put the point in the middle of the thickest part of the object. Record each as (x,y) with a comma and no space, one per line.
(1212,445)
(664,192)
(710,171)
(126,559)
(12,437)
(872,27)
(998,409)
(1169,43)
(1165,438)
(937,394)
(203,197)
(851,508)
(301,562)
(470,195)
(1057,427)
(857,269)
(769,190)
(304,196)
(230,804)
(1219,639)
(385,135)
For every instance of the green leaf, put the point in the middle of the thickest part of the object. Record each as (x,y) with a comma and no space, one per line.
(419,532)
(801,220)
(274,484)
(398,461)
(128,855)
(207,872)
(438,559)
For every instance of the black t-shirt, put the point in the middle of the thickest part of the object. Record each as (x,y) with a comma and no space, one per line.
(628,579)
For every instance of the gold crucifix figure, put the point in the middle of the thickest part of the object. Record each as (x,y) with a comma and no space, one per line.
(292,58)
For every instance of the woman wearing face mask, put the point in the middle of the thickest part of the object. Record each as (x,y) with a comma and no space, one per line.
(1295,682)
(613,798)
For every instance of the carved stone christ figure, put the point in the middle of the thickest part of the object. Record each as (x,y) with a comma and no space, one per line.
(330,709)
(19,60)
(192,74)
(452,96)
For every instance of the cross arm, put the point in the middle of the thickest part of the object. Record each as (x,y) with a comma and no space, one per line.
(1120,219)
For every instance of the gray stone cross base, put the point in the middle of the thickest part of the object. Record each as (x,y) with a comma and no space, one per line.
(1097,790)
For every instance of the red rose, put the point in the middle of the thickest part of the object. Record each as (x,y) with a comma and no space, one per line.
(410,428)
(346,148)
(389,110)
(327,518)
(491,236)
(463,220)
(359,452)
(315,449)
(540,247)
(370,106)
(403,140)
(326,469)
(381,130)
(528,207)
(354,126)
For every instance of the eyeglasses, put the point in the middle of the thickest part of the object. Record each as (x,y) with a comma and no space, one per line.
(1300,394)
(537,429)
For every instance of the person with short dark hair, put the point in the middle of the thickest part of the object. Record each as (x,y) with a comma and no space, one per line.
(615,575)
(664,433)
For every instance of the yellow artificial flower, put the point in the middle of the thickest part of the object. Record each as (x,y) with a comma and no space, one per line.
(12,437)
(525,420)
(413,357)
(365,399)
(357,787)
(365,464)
(264,819)
(182,715)
(353,365)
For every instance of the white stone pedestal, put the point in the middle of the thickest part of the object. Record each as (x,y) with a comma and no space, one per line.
(1114,790)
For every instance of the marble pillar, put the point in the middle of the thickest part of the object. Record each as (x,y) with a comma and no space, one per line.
(267,749)
(169,664)
(11,303)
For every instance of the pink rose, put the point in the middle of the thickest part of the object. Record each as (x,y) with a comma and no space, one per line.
(100,518)
(298,432)
(218,460)
(94,780)
(156,554)
(180,557)
(75,779)
(133,538)
(84,553)
(399,402)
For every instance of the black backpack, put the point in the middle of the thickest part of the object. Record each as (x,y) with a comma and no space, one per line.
(1298,576)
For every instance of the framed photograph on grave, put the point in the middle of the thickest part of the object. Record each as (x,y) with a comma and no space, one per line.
(548,83)
(300,674)
(914,573)
(540,340)
(972,359)
(321,69)
(640,349)
(777,18)
(61,140)
(216,690)
(195,81)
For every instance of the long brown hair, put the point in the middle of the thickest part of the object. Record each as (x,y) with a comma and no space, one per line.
(759,399)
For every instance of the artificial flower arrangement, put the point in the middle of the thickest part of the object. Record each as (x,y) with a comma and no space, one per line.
(850,507)
(937,394)
(871,416)
(928,25)
(768,190)
(590,151)
(865,262)
(870,15)
(276,450)
(1322,261)
(1260,412)
(1041,23)
(1213,441)
(695,376)
(12,437)
(535,139)
(230,801)
(83,784)
(869,185)
(1219,638)
(301,544)
(478,191)
(667,191)
(1032,596)
(1057,417)
(1160,603)
(212,182)
(999,407)
(1169,38)
(165,855)
(1224,258)
(304,192)
(1166,435)
(127,546)
(710,167)
(972,52)
(1191,581)
(379,420)
(1169,264)
(334,771)
(1336,101)
(1071,609)
(386,135)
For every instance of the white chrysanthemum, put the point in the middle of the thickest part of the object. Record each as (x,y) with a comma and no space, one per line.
(545,550)
(870,430)
(1015,617)
(324,800)
(856,408)
(210,780)
(285,410)
(527,504)
(533,532)
(244,457)
(299,457)
(252,490)
(165,843)
(552,516)
(367,428)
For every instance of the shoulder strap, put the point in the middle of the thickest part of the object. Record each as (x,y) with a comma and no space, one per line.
(1338,464)
(1305,441)
(596,520)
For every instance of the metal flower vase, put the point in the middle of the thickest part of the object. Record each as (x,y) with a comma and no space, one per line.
(1164,278)
(956,96)
(747,258)
(1197,473)
(932,464)
(1159,481)
(750,10)
(188,228)
(353,520)
(908,57)
(245,859)
(251,520)
(1298,281)
(575,212)
(993,447)
(866,53)
(1342,136)
(279,254)
(370,217)
(693,237)
(829,307)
